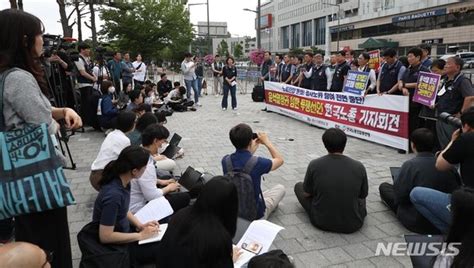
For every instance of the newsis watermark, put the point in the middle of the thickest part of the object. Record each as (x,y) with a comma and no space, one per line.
(417,249)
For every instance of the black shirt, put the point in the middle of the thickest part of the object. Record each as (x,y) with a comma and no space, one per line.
(199,70)
(194,241)
(111,206)
(229,72)
(462,152)
(420,171)
(338,77)
(338,193)
(164,87)
(455,91)
(266,69)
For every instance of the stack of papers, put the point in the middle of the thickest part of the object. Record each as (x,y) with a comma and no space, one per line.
(155,210)
(156,238)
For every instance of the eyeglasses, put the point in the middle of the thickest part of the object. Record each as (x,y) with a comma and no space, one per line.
(49,257)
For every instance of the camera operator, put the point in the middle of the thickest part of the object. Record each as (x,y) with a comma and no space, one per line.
(452,97)
(60,77)
(85,80)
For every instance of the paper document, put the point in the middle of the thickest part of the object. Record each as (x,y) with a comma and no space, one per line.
(257,240)
(156,238)
(155,210)
(233,83)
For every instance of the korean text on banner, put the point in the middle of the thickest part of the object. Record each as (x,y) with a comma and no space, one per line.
(356,82)
(427,88)
(374,61)
(379,119)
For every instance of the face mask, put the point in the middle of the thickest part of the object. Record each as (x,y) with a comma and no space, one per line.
(111,90)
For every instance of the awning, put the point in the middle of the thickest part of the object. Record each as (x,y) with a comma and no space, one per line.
(372,43)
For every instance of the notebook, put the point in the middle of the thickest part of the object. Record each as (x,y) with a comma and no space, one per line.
(173,147)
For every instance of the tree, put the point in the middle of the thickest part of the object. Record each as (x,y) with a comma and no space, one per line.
(296,52)
(317,50)
(148,27)
(238,51)
(223,48)
(92,26)
(67,28)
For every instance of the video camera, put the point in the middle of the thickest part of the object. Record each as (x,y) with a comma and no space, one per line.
(450,119)
(53,43)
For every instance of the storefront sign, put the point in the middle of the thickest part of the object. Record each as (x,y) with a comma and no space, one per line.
(426,14)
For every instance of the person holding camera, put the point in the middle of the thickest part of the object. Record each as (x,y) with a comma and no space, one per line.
(435,205)
(85,82)
(25,102)
(452,97)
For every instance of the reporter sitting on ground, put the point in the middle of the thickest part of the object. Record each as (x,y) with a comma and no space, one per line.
(335,187)
(433,204)
(461,231)
(111,147)
(143,122)
(242,137)
(111,208)
(144,189)
(108,109)
(176,99)
(418,171)
(22,254)
(201,235)
(162,162)
(136,99)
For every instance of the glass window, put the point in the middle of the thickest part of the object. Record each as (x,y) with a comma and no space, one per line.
(285,34)
(441,50)
(320,31)
(295,38)
(307,33)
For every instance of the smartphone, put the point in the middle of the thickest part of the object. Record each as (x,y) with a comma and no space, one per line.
(254,136)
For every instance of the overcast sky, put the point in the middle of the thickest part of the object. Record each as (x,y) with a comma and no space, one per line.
(239,22)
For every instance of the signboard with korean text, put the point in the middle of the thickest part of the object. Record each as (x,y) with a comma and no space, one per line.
(427,88)
(375,60)
(379,119)
(356,82)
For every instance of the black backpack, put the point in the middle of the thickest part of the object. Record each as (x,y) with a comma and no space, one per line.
(258,93)
(243,181)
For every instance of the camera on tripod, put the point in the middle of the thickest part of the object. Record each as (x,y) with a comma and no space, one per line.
(450,119)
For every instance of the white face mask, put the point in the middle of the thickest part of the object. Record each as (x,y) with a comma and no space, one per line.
(111,90)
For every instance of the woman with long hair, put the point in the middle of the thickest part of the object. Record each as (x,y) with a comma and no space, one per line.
(201,235)
(25,101)
(111,208)
(461,231)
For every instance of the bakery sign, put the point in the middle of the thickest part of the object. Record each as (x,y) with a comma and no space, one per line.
(426,14)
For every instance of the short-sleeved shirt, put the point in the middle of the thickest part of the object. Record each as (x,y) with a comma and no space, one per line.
(263,166)
(111,206)
(229,72)
(462,152)
(338,78)
(452,94)
(338,193)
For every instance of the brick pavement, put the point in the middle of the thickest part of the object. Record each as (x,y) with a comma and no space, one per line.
(205,140)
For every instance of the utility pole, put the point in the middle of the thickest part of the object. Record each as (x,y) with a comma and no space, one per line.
(259,38)
(209,42)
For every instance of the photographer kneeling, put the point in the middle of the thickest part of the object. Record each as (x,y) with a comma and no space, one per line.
(435,205)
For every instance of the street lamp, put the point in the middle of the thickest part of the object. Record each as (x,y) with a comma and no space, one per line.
(259,43)
(338,20)
(209,44)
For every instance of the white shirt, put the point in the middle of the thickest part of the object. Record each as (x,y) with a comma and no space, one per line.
(104,73)
(188,70)
(372,77)
(144,189)
(173,94)
(110,149)
(328,73)
(139,73)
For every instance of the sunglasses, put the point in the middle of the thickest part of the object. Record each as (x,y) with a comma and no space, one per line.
(49,257)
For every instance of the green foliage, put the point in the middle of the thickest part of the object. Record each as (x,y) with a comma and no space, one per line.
(156,29)
(223,49)
(317,50)
(200,46)
(296,52)
(238,51)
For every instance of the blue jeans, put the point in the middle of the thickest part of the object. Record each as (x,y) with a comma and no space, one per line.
(194,85)
(233,90)
(433,205)
(199,84)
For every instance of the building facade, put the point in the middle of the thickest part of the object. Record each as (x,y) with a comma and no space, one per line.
(447,25)
(246,42)
(216,29)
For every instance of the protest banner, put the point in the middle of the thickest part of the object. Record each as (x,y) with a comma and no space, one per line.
(375,60)
(427,88)
(379,119)
(356,82)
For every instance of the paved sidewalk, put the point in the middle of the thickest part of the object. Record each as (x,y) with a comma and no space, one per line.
(205,140)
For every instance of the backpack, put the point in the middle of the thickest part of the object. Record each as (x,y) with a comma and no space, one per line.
(245,189)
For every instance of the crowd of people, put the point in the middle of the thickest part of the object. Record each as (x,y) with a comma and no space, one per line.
(428,196)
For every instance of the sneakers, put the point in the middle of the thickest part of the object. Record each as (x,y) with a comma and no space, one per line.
(224,109)
(235,108)
(198,104)
(192,109)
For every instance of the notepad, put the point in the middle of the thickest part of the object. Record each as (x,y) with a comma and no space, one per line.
(155,210)
(156,238)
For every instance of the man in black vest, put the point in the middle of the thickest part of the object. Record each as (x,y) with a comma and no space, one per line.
(279,67)
(217,67)
(287,68)
(320,74)
(307,70)
(390,74)
(266,65)
(408,86)
(340,74)
(453,97)
(85,81)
